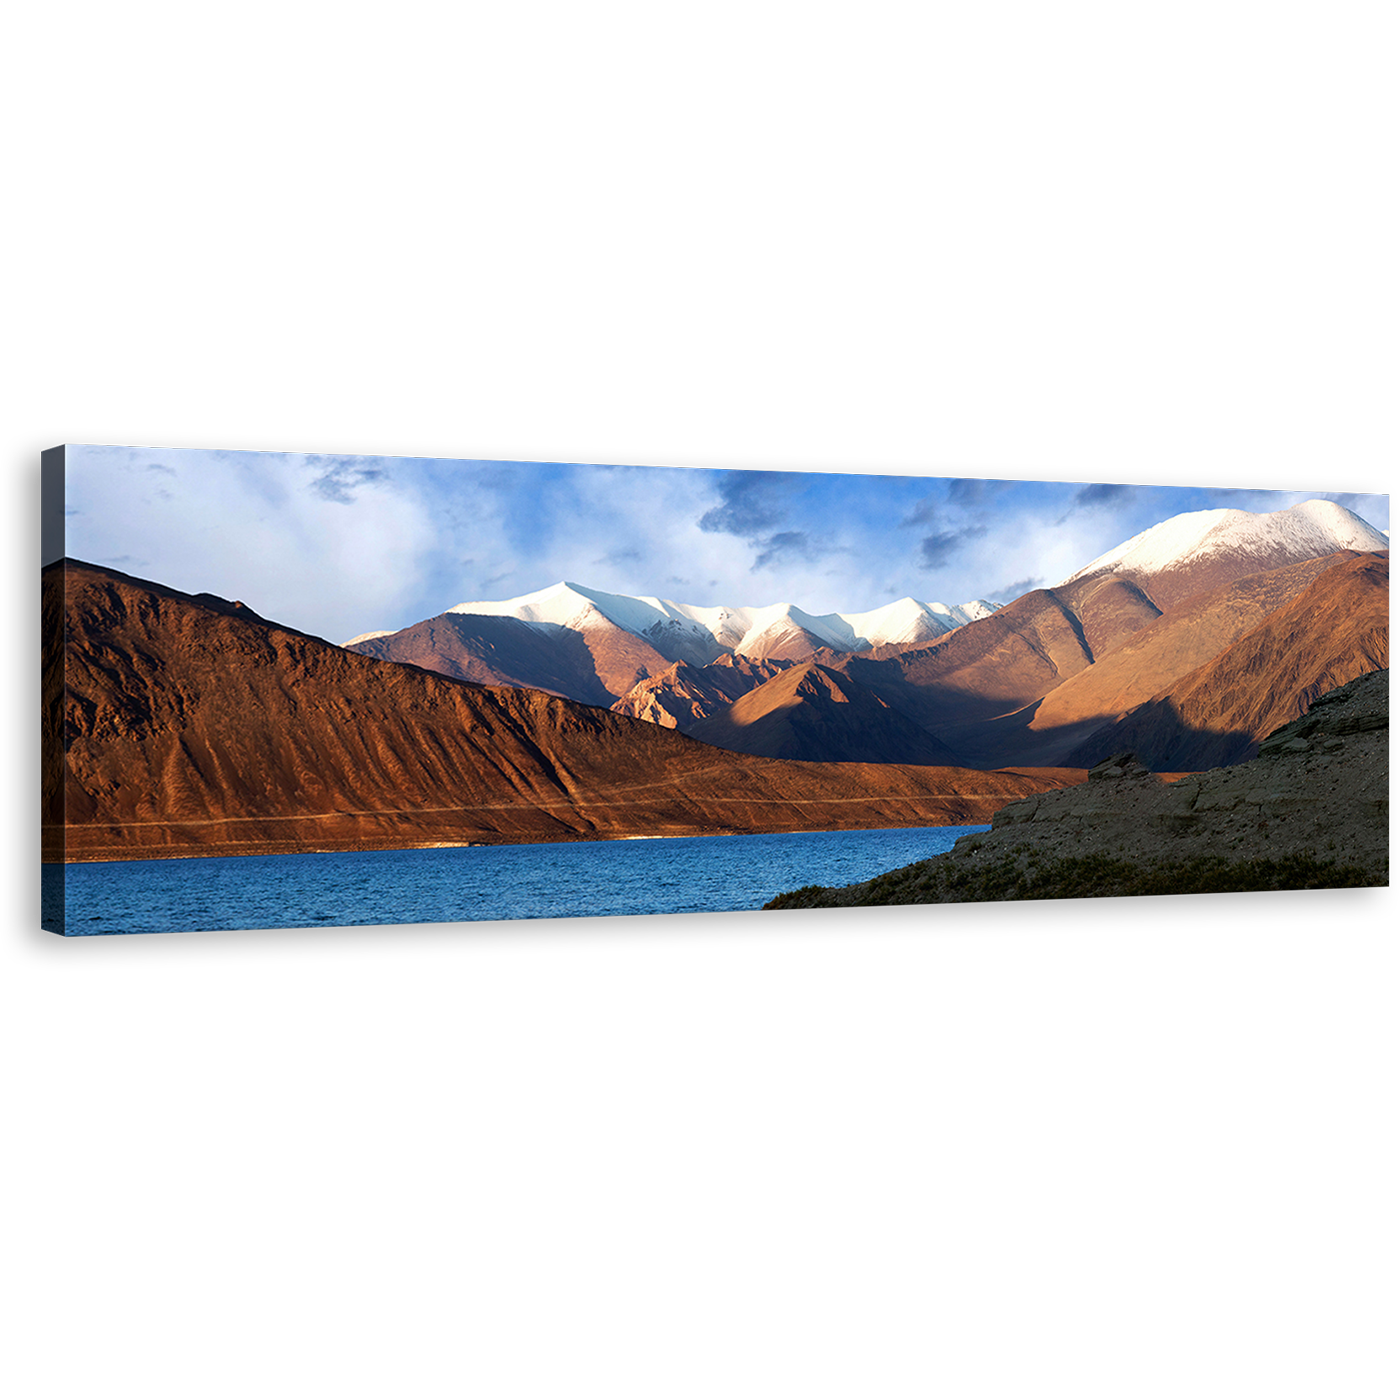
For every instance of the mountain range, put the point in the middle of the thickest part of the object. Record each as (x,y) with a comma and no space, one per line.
(682,631)
(180,724)
(596,647)
(1048,679)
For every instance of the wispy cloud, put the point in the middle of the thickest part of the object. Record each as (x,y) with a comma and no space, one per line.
(785,545)
(341,478)
(935,551)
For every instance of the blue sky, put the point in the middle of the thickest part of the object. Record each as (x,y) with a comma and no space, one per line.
(339,545)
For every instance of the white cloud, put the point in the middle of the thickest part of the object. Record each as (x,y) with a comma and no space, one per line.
(249,526)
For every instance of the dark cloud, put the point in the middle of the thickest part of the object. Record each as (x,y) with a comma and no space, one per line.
(973,491)
(162,468)
(1014,590)
(620,556)
(936,550)
(963,493)
(1101,493)
(752,502)
(786,544)
(924,513)
(1098,495)
(341,477)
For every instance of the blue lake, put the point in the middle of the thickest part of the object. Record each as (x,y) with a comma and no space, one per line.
(667,876)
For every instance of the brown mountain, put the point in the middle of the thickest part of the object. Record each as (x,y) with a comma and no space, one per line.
(1147,664)
(683,695)
(595,666)
(1329,633)
(997,665)
(190,726)
(811,712)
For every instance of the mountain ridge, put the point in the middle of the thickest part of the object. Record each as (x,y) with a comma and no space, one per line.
(632,639)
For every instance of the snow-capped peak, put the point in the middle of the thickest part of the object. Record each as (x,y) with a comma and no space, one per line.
(561,605)
(1304,531)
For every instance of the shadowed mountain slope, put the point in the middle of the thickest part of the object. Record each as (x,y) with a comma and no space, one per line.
(811,712)
(999,664)
(189,726)
(492,651)
(593,667)
(1146,665)
(1331,632)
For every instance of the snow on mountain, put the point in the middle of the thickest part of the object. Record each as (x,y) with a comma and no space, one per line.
(366,637)
(1309,530)
(701,634)
(562,605)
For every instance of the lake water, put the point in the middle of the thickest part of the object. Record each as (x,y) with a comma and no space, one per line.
(667,876)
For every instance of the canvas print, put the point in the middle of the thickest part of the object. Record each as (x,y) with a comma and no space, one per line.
(291,690)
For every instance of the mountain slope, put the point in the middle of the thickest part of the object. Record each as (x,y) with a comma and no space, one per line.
(1146,665)
(997,665)
(1336,629)
(496,651)
(683,695)
(188,726)
(813,713)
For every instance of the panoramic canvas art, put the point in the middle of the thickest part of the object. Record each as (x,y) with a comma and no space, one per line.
(288,690)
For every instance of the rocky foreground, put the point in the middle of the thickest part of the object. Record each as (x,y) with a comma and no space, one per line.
(1310,812)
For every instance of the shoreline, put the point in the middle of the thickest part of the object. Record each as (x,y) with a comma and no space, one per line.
(220,851)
